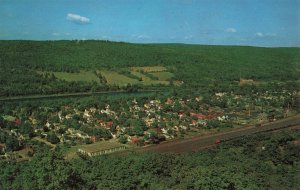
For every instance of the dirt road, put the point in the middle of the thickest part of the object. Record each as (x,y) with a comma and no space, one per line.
(202,142)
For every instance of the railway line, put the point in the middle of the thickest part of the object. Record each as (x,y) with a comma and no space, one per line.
(204,142)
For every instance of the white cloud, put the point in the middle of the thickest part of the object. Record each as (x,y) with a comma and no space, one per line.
(231,30)
(143,36)
(77,18)
(55,34)
(260,34)
(188,37)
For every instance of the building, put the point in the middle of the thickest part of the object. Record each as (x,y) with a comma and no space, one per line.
(101,148)
(2,147)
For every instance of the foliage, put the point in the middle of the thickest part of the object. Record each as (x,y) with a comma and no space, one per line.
(237,164)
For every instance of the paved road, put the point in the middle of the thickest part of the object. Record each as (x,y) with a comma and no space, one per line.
(202,142)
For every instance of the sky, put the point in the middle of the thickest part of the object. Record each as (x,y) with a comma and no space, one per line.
(268,23)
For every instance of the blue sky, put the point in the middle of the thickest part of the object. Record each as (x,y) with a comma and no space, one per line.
(221,22)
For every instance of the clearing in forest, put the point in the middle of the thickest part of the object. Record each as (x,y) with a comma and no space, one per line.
(85,76)
(163,75)
(114,78)
(149,69)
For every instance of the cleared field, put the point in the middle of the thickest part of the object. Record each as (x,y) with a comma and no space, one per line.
(86,76)
(149,69)
(163,75)
(147,80)
(114,78)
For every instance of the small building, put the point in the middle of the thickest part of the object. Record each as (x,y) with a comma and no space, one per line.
(101,148)
(2,147)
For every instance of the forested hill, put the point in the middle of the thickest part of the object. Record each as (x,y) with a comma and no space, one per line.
(193,64)
(59,55)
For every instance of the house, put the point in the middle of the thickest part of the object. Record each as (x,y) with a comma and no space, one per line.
(181,114)
(17,122)
(109,124)
(100,121)
(135,140)
(2,147)
(94,139)
(199,116)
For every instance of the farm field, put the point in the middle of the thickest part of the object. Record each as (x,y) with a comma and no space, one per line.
(162,75)
(85,76)
(148,81)
(114,78)
(150,69)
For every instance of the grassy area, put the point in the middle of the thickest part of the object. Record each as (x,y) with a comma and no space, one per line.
(149,69)
(86,76)
(114,78)
(147,80)
(163,76)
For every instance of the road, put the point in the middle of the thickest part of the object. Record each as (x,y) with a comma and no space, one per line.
(202,142)
(68,95)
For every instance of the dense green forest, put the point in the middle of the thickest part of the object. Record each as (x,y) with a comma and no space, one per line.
(262,161)
(197,66)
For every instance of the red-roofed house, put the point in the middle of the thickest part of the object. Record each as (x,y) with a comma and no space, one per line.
(135,140)
(17,122)
(199,116)
(109,124)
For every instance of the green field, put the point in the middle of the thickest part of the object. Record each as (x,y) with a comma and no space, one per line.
(115,78)
(86,76)
(164,76)
(149,81)
(149,69)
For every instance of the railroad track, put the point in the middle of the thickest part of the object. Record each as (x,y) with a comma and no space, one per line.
(203,142)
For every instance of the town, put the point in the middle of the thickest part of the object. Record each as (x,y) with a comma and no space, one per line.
(136,121)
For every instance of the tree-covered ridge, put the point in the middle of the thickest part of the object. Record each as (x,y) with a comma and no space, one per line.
(263,161)
(195,65)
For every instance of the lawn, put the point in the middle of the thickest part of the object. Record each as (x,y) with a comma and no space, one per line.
(86,76)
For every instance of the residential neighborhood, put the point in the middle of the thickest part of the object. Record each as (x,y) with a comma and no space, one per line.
(139,121)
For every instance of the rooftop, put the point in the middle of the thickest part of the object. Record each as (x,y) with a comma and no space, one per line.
(100,146)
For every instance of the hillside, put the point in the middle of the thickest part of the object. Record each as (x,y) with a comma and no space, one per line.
(25,64)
